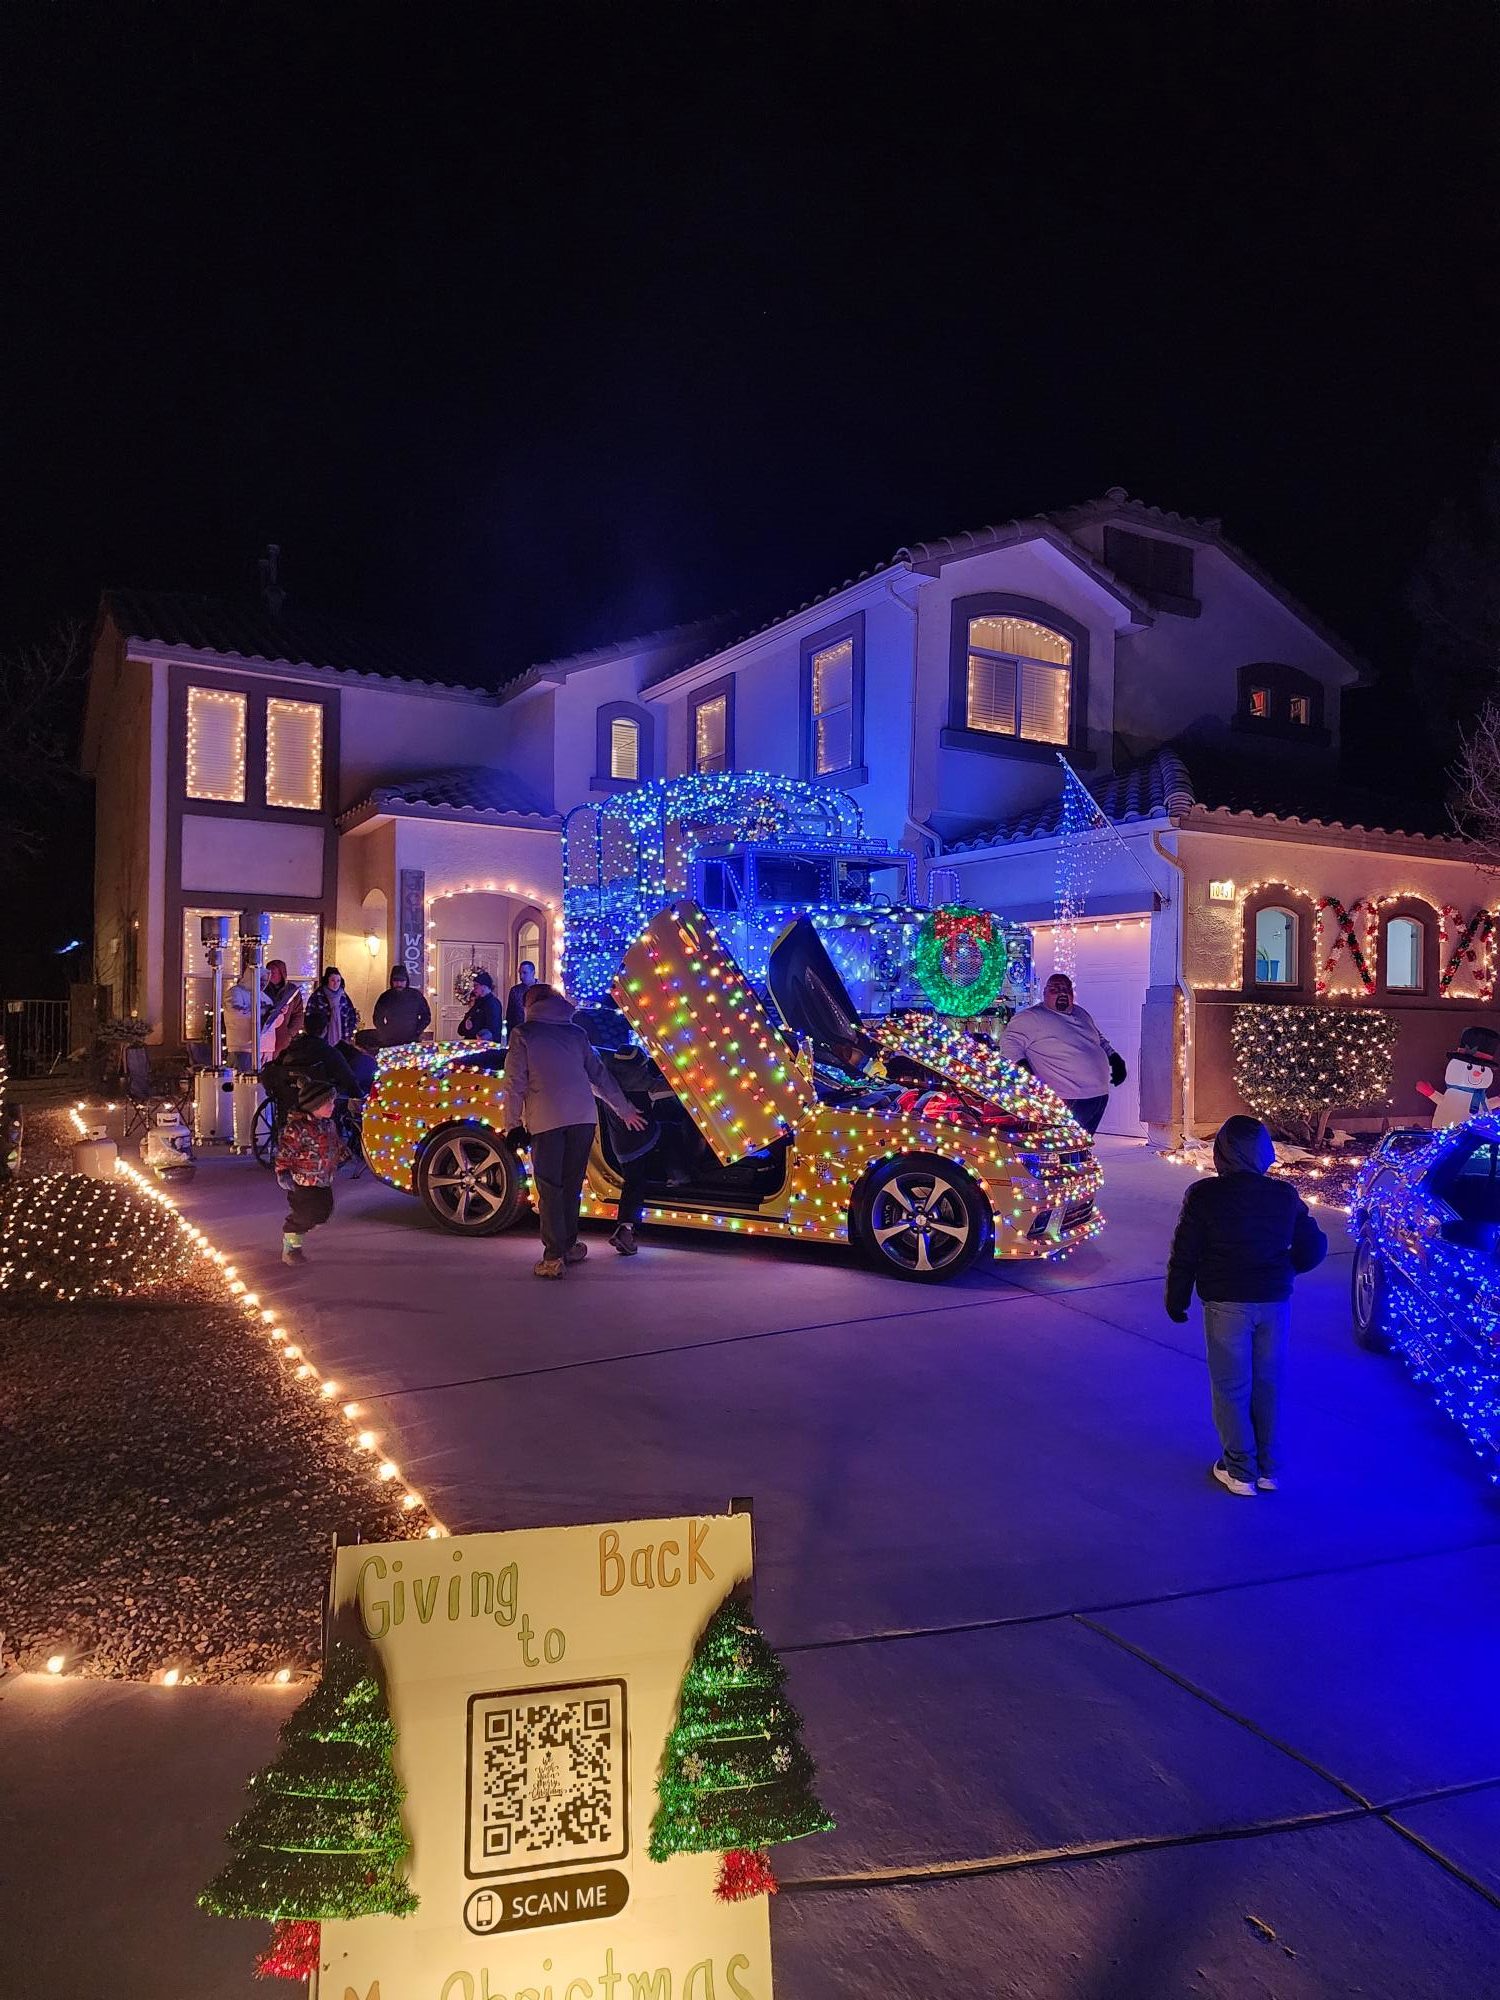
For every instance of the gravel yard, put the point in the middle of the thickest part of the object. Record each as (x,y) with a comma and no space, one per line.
(168,1488)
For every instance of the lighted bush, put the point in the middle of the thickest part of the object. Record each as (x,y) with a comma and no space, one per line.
(68,1237)
(1292,1064)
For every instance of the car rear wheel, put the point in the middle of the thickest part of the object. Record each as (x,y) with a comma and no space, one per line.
(471,1181)
(1370,1299)
(920,1219)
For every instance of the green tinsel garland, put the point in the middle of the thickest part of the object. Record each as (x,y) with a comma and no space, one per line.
(734,1773)
(323,1834)
(952,996)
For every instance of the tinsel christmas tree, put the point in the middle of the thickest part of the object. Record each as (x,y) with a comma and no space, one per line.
(735,1775)
(323,1834)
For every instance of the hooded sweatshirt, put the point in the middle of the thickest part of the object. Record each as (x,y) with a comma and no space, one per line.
(401,1014)
(552,1075)
(1241,1236)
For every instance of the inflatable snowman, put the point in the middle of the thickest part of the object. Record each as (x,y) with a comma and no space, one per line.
(1468,1085)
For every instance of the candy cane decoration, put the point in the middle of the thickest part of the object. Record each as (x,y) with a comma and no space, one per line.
(1459,941)
(1347,940)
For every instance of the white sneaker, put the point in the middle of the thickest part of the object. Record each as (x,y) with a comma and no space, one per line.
(1268,1483)
(1230,1484)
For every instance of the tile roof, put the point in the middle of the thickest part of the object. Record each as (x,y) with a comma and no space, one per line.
(463,788)
(1206,777)
(249,629)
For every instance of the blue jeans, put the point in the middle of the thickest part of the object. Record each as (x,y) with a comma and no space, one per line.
(1246,1353)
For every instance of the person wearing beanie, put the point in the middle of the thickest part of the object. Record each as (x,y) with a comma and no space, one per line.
(402,1014)
(1241,1239)
(309,1152)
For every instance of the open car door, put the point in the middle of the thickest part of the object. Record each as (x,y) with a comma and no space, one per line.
(810,993)
(712,1039)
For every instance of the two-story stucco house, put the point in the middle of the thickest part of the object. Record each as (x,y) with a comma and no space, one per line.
(253,759)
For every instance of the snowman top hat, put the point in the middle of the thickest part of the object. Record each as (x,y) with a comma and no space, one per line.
(1478,1045)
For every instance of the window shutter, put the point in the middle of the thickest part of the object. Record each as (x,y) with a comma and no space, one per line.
(992,695)
(215,744)
(624,748)
(1044,703)
(835,744)
(294,754)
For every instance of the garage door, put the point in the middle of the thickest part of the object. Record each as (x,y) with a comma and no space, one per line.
(1111,971)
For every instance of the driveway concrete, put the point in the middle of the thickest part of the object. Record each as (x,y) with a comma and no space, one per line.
(1089,1726)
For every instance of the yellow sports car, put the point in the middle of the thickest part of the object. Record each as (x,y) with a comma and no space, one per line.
(913,1141)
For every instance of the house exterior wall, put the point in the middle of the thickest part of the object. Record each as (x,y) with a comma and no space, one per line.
(1415,875)
(388,733)
(129,769)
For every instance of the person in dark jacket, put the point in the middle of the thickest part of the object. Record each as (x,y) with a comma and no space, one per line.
(402,1014)
(330,1012)
(515,1000)
(1241,1239)
(645,1155)
(484,1020)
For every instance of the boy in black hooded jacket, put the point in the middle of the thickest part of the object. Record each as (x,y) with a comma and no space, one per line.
(1241,1239)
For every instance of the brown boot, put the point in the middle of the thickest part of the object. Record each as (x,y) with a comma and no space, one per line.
(550,1267)
(576,1254)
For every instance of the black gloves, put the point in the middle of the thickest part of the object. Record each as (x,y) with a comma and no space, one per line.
(1117,1070)
(1179,1317)
(517,1137)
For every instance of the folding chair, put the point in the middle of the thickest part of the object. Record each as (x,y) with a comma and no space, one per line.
(138,1091)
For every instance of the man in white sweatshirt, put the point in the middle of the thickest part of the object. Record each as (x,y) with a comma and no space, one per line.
(1064,1049)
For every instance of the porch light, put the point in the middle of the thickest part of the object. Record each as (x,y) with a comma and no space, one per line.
(372,944)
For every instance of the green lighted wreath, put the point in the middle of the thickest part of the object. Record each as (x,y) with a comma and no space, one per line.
(941,930)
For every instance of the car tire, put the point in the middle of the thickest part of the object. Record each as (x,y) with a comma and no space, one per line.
(1370,1299)
(470,1180)
(920,1219)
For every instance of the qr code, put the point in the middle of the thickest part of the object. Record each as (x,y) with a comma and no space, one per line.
(546,1778)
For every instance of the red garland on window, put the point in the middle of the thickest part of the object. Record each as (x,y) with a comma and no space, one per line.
(1480,929)
(1347,940)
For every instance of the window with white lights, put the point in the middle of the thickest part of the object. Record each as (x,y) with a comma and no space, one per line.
(711,732)
(1275,947)
(294,754)
(1019,679)
(296,938)
(624,748)
(197,974)
(216,744)
(832,697)
(1403,955)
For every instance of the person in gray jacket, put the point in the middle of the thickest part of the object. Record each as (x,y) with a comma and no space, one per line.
(1062,1047)
(552,1077)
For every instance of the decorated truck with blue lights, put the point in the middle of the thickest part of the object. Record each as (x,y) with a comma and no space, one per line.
(755,851)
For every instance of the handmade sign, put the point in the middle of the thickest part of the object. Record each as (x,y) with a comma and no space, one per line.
(535,1682)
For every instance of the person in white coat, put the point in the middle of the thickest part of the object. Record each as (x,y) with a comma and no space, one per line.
(1062,1047)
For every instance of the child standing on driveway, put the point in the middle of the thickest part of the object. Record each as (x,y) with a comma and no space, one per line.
(1241,1239)
(309,1153)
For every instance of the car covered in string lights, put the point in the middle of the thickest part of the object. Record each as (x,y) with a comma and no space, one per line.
(920,1146)
(1425,1218)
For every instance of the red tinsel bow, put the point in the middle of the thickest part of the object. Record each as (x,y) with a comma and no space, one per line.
(293,1952)
(744,1872)
(977,924)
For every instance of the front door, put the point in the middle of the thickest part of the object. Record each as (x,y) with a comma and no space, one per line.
(457,964)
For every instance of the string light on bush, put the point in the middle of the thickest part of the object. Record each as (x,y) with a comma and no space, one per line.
(1292,1064)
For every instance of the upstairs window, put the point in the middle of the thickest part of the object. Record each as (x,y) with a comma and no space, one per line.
(833,707)
(712,746)
(294,754)
(624,749)
(1020,679)
(1275,947)
(216,744)
(1282,701)
(1160,569)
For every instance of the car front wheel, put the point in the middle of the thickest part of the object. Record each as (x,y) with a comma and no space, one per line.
(471,1181)
(920,1219)
(1370,1299)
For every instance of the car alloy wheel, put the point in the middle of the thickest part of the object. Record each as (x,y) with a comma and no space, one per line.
(471,1181)
(920,1219)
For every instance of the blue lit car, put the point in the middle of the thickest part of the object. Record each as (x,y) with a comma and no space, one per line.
(1425,1217)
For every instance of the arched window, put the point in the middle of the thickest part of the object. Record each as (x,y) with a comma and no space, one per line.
(529,943)
(1405,955)
(1275,946)
(622,754)
(1019,681)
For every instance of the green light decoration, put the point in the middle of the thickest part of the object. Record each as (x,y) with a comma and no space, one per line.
(957,931)
(735,1774)
(323,1834)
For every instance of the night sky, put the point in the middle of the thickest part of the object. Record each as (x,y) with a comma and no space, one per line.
(596,318)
